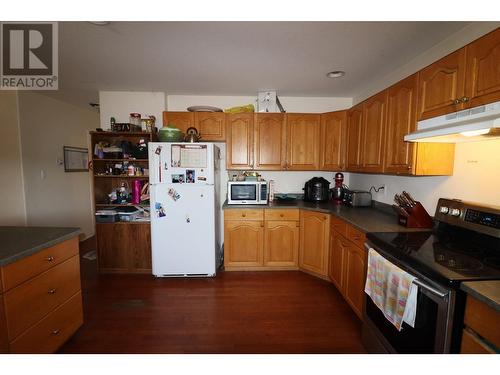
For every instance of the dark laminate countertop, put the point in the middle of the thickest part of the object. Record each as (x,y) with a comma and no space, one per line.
(378,218)
(485,291)
(19,242)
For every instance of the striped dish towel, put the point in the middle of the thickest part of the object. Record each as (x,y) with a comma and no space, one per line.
(391,289)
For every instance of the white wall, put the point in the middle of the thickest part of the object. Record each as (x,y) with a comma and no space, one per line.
(12,203)
(290,104)
(55,197)
(476,178)
(456,41)
(120,104)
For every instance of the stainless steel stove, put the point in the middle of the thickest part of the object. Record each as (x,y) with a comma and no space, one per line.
(464,246)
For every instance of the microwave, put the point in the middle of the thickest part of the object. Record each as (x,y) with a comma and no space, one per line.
(247,192)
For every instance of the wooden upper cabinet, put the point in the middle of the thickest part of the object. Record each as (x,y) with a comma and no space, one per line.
(239,141)
(401,120)
(210,125)
(303,131)
(181,120)
(483,70)
(333,140)
(270,141)
(354,126)
(442,86)
(372,134)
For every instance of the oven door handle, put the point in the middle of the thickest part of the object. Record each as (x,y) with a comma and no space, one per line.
(422,284)
(430,288)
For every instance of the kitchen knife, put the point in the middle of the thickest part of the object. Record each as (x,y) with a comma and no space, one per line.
(400,210)
(406,201)
(410,198)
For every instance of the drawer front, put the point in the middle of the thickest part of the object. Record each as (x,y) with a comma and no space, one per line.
(483,320)
(52,331)
(244,214)
(471,344)
(277,214)
(356,236)
(24,269)
(338,225)
(29,302)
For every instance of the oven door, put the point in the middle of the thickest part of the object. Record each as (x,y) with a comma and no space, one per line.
(433,322)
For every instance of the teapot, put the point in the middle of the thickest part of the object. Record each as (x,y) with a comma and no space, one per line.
(192,135)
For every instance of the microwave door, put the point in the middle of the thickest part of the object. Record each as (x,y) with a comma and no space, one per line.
(244,193)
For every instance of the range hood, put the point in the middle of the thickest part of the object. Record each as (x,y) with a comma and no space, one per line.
(474,124)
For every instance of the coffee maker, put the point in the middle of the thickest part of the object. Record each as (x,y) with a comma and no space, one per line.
(338,189)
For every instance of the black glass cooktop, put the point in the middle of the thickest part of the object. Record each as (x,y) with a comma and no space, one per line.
(449,254)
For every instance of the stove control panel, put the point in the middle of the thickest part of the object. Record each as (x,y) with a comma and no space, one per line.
(483,219)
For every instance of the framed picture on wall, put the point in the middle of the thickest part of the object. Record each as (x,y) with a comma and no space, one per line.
(76,159)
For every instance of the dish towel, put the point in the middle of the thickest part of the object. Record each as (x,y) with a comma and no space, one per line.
(391,289)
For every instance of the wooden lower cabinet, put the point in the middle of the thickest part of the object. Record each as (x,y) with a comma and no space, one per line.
(281,245)
(41,300)
(243,243)
(348,262)
(124,247)
(261,239)
(314,242)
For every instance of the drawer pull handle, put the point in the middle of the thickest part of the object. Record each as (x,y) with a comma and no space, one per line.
(49,258)
(244,215)
(52,290)
(356,238)
(56,332)
(281,215)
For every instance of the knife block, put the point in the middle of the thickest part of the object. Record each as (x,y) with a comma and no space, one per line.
(418,218)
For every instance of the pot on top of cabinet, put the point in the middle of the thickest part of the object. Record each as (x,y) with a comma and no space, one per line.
(317,189)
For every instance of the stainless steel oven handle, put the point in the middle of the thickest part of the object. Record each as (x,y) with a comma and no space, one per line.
(422,284)
(430,288)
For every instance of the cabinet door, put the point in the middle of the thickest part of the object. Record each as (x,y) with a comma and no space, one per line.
(303,132)
(124,247)
(314,242)
(181,120)
(333,140)
(239,141)
(483,70)
(281,245)
(441,86)
(354,126)
(336,269)
(372,133)
(401,120)
(270,141)
(356,260)
(211,125)
(243,243)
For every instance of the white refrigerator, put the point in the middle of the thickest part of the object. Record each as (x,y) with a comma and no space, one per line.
(184,194)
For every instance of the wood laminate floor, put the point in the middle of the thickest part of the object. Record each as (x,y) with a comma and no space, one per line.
(235,312)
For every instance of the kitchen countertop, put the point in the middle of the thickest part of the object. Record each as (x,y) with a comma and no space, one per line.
(20,242)
(377,218)
(486,291)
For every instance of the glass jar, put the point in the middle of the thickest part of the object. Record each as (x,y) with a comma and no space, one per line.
(135,119)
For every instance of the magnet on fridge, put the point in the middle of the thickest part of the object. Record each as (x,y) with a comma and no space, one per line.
(160,211)
(158,150)
(174,194)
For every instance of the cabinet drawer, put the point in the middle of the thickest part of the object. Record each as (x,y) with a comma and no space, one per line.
(338,225)
(471,344)
(243,214)
(52,331)
(355,235)
(29,302)
(24,269)
(276,214)
(483,320)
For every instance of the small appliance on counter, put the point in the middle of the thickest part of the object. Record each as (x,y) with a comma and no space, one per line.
(247,192)
(357,198)
(338,189)
(317,189)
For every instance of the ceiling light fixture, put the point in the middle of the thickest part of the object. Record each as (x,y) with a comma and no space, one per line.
(335,74)
(99,23)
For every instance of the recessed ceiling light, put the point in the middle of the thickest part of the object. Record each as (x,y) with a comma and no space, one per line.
(99,23)
(335,74)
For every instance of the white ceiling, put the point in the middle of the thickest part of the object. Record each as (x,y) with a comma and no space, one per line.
(237,58)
